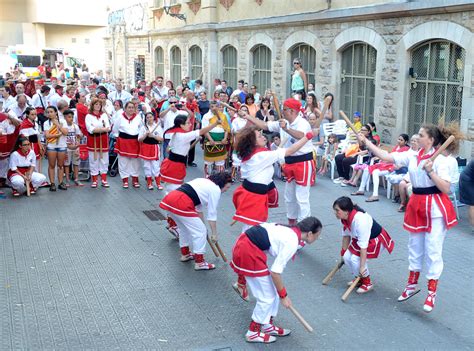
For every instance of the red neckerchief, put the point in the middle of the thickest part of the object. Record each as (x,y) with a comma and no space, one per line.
(255,151)
(22,153)
(348,222)
(176,130)
(297,232)
(27,123)
(97,115)
(421,156)
(129,119)
(3,117)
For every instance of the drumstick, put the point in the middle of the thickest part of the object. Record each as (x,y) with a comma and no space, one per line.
(442,147)
(95,147)
(209,241)
(233,222)
(276,105)
(350,288)
(221,252)
(100,141)
(333,271)
(300,318)
(28,188)
(349,123)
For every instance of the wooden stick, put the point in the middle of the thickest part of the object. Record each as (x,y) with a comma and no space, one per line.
(333,272)
(209,241)
(442,147)
(221,252)
(349,289)
(348,121)
(28,188)
(95,148)
(100,146)
(300,318)
(233,222)
(276,104)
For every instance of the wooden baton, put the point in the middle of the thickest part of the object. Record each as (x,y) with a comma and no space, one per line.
(349,123)
(300,318)
(442,147)
(350,288)
(221,252)
(95,148)
(333,271)
(28,188)
(233,222)
(209,241)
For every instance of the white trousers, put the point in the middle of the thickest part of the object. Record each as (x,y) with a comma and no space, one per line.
(191,231)
(101,165)
(4,167)
(353,262)
(246,226)
(128,167)
(375,178)
(151,168)
(297,200)
(18,182)
(265,293)
(428,246)
(169,187)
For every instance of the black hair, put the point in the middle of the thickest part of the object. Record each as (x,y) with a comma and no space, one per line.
(346,204)
(332,99)
(68,112)
(221,179)
(20,140)
(120,103)
(276,135)
(310,224)
(7,89)
(178,122)
(433,132)
(45,88)
(405,137)
(96,81)
(28,110)
(198,81)
(128,103)
(54,108)
(241,81)
(265,99)
(374,127)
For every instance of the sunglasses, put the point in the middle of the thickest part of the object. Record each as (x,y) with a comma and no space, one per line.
(296,63)
(364,130)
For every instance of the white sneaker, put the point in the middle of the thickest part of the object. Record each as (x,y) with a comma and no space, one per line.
(338,180)
(344,184)
(203,266)
(409,291)
(186,258)
(272,329)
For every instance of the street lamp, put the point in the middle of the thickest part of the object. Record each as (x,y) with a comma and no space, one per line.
(167,7)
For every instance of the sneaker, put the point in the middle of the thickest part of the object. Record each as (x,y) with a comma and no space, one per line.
(203,266)
(94,184)
(409,291)
(174,232)
(338,180)
(32,191)
(429,302)
(241,289)
(78,183)
(105,184)
(272,329)
(125,184)
(186,258)
(364,288)
(344,184)
(62,186)
(352,281)
(67,184)
(258,336)
(160,187)
(52,187)
(136,185)
(15,193)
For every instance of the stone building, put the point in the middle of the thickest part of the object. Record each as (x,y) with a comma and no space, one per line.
(400,63)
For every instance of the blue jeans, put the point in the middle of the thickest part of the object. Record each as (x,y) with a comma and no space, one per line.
(165,146)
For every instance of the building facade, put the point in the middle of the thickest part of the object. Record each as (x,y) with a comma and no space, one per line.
(399,63)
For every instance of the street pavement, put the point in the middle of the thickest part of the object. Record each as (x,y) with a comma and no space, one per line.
(85,268)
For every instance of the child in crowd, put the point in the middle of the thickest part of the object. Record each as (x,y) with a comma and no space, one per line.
(277,166)
(73,140)
(329,153)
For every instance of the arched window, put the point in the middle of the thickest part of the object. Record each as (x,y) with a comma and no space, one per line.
(358,80)
(308,61)
(175,64)
(436,87)
(159,62)
(262,68)
(229,65)
(195,62)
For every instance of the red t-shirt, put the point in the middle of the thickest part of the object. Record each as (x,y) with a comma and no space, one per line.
(82,112)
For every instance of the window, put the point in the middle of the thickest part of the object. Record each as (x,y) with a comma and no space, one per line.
(175,63)
(261,68)
(229,65)
(358,80)
(29,60)
(436,88)
(308,61)
(159,62)
(195,62)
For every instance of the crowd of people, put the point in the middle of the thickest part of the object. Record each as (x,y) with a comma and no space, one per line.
(153,129)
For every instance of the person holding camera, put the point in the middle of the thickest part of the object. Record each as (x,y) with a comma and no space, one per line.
(167,117)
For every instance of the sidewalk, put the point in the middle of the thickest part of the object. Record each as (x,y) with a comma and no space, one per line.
(85,268)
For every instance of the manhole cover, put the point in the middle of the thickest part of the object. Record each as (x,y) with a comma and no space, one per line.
(154,215)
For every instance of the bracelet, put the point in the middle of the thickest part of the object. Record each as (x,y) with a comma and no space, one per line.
(282,293)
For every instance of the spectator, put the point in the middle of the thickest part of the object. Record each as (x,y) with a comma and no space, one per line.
(228,90)
(203,103)
(250,102)
(256,95)
(73,140)
(299,82)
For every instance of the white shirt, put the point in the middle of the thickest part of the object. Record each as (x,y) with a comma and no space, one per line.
(159,93)
(38,99)
(53,99)
(92,122)
(31,131)
(73,131)
(6,127)
(18,160)
(8,102)
(238,124)
(18,111)
(283,245)
(61,141)
(419,178)
(209,194)
(131,127)
(157,130)
(168,120)
(180,143)
(299,124)
(259,168)
(124,96)
(360,229)
(116,115)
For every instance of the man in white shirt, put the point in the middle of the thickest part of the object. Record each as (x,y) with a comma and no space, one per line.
(19,107)
(20,89)
(167,117)
(159,91)
(6,98)
(56,95)
(120,94)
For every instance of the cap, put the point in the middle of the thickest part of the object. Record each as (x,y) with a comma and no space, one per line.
(357,114)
